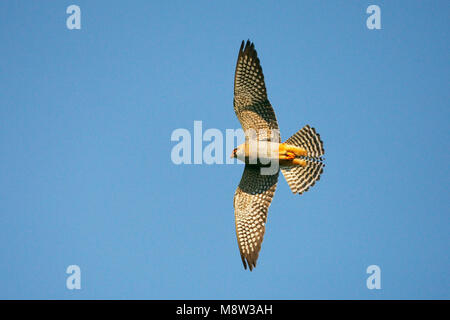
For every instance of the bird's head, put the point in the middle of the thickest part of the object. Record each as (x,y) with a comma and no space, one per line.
(238,152)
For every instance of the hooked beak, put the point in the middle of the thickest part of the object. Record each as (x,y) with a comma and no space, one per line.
(233,154)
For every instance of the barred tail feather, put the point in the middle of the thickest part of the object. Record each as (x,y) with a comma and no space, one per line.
(299,178)
(309,139)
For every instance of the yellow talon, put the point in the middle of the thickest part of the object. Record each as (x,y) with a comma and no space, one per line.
(299,162)
(289,148)
(290,155)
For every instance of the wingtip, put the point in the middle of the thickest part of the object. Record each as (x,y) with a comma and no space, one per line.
(243,262)
(247,263)
(247,49)
(245,45)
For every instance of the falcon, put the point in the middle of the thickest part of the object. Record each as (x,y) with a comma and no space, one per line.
(299,158)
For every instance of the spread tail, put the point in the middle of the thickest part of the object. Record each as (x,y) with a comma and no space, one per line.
(300,178)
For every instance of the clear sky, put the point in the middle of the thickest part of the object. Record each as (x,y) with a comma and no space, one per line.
(86,176)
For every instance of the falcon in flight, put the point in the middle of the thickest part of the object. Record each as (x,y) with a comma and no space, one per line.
(299,158)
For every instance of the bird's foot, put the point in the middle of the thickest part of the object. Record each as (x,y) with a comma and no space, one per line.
(290,155)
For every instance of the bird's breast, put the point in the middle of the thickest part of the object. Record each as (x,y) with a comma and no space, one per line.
(260,152)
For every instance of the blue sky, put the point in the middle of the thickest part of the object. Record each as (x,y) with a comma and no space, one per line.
(86,176)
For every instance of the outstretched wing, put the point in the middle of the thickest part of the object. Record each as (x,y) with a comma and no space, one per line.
(251,105)
(251,204)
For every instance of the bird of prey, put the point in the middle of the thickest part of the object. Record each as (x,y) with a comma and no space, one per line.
(299,158)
